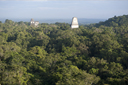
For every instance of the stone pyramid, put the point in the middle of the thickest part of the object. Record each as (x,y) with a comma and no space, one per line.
(74,23)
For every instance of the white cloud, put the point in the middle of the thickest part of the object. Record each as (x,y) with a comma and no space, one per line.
(23,0)
(45,8)
(63,0)
(49,8)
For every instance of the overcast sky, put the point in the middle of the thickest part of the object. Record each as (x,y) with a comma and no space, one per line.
(60,9)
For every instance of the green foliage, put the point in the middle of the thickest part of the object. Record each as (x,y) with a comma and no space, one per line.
(54,54)
(115,21)
(75,76)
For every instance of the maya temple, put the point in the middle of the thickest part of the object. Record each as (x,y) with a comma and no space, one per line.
(74,23)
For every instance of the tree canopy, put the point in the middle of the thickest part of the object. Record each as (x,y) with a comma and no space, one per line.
(55,54)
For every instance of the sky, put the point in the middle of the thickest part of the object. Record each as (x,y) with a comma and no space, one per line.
(62,9)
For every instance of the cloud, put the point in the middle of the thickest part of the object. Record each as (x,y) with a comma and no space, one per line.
(23,0)
(63,0)
(45,8)
(49,8)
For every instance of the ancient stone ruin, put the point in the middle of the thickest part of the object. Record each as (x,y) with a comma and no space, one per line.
(74,23)
(34,23)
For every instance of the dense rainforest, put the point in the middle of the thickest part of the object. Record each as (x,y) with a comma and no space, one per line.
(55,54)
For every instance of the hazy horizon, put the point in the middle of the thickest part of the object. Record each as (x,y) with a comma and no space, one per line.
(48,9)
(50,21)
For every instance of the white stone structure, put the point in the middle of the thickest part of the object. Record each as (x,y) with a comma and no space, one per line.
(74,23)
(34,23)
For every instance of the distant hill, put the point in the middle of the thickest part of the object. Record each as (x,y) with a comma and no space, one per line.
(80,21)
(115,21)
(83,21)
